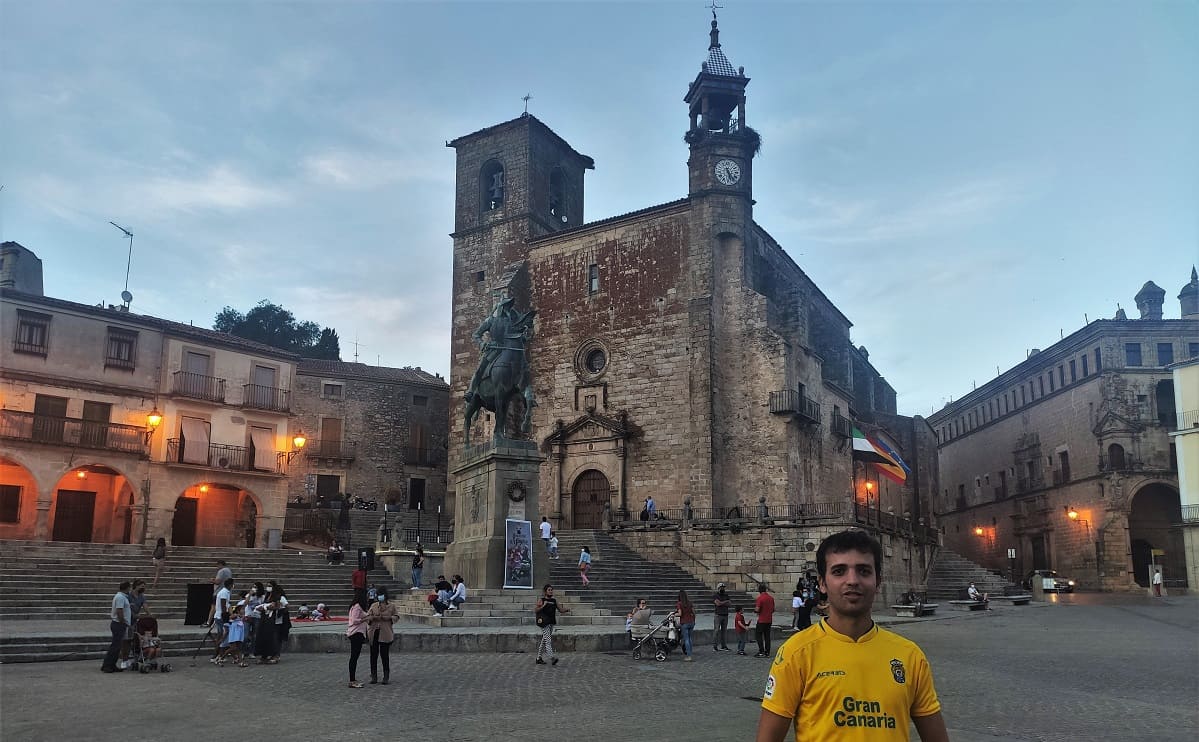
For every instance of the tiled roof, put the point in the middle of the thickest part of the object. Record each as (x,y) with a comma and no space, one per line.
(718,64)
(348,370)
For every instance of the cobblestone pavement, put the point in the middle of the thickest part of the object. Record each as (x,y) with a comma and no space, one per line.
(1094,668)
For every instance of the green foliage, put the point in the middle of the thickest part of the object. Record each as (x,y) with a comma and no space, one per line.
(273,325)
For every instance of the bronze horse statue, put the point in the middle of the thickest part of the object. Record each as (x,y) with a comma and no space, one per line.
(503,373)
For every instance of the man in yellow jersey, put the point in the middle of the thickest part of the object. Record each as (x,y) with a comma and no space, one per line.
(845,678)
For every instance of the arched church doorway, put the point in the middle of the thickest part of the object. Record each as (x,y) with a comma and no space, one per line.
(213,514)
(588,497)
(1156,509)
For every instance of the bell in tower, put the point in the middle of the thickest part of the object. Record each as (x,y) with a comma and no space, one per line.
(717,96)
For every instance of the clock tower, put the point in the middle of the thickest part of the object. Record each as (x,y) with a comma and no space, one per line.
(722,144)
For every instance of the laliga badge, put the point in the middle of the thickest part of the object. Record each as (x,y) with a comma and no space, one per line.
(769,687)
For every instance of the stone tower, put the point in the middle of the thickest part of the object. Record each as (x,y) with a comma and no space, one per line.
(1150,299)
(1188,298)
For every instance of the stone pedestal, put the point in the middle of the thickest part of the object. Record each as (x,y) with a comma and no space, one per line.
(492,483)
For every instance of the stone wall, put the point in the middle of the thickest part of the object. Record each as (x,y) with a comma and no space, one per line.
(776,555)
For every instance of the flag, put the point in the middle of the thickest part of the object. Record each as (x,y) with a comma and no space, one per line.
(898,471)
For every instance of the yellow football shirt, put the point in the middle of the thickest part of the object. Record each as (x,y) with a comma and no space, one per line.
(840,689)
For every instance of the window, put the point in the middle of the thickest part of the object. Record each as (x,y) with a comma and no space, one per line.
(420,400)
(1063,459)
(1193,350)
(480,276)
(121,349)
(492,181)
(1084,366)
(262,448)
(1073,371)
(1165,354)
(328,485)
(1050,375)
(558,195)
(1132,354)
(1061,375)
(592,278)
(33,333)
(1041,383)
(1023,399)
(1098,361)
(10,503)
(332,391)
(49,418)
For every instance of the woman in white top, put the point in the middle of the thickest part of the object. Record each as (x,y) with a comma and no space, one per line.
(458,597)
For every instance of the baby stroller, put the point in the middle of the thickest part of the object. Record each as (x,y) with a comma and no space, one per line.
(147,658)
(658,639)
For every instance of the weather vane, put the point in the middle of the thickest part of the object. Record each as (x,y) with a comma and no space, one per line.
(529,96)
(715,8)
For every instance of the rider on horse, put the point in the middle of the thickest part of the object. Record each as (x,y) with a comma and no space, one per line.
(504,324)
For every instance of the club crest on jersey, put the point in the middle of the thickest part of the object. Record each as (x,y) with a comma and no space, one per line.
(898,672)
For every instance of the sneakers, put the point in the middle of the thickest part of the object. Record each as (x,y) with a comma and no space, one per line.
(760,654)
(741,652)
(355,684)
(724,649)
(553,660)
(540,661)
(687,658)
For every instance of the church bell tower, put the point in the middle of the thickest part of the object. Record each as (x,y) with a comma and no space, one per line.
(722,144)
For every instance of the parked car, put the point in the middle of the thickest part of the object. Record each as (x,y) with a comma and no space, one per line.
(1060,584)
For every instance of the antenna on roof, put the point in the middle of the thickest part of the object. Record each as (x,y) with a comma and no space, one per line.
(526,98)
(356,346)
(125,295)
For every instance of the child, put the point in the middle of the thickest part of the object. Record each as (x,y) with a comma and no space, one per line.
(371,592)
(151,646)
(796,604)
(231,647)
(320,614)
(553,545)
(741,626)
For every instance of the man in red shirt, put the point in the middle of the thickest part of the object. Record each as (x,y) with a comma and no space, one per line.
(764,607)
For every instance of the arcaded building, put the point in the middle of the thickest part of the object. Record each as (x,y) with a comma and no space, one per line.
(1068,458)
(678,351)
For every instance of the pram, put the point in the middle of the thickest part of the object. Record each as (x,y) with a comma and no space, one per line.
(658,639)
(138,658)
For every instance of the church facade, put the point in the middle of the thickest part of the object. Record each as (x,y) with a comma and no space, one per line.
(679,352)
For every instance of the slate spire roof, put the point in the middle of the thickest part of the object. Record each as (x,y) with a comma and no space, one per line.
(717,63)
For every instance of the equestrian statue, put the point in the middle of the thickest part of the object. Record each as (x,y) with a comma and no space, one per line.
(503,372)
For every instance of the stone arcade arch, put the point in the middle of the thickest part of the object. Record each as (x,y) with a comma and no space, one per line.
(215,514)
(589,494)
(1152,524)
(91,503)
(19,495)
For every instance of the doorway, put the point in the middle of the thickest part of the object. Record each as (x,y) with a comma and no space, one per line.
(591,492)
(183,525)
(416,494)
(1037,542)
(74,513)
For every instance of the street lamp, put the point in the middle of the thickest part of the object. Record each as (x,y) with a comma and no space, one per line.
(298,440)
(153,420)
(978,531)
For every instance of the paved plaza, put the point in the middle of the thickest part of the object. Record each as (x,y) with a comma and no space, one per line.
(1089,668)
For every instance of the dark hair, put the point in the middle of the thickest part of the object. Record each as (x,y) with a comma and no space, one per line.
(762,587)
(229,582)
(258,586)
(360,599)
(278,591)
(737,609)
(221,562)
(136,583)
(548,586)
(458,578)
(839,543)
(684,601)
(124,586)
(162,541)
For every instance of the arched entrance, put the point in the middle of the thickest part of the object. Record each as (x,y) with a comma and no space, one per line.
(588,497)
(1156,509)
(214,514)
(88,505)
(18,500)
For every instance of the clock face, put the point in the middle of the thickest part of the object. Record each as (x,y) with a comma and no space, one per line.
(728,172)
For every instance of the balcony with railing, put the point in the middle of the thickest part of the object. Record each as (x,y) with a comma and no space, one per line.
(1190,514)
(335,450)
(72,431)
(423,456)
(795,402)
(1061,476)
(259,397)
(222,456)
(1188,419)
(198,386)
(841,426)
(1124,462)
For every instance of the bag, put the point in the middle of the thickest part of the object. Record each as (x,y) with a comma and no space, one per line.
(644,514)
(540,620)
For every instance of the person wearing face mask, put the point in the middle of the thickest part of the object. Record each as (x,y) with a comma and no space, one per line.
(380,619)
(252,612)
(271,626)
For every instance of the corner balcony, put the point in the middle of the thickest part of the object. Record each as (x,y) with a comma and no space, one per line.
(258,397)
(795,402)
(72,431)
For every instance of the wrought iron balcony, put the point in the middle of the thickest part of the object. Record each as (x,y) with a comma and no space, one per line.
(72,431)
(1119,463)
(423,456)
(1188,419)
(221,456)
(198,386)
(258,397)
(1060,477)
(795,402)
(330,449)
(841,425)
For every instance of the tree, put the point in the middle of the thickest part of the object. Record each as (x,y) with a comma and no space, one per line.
(273,325)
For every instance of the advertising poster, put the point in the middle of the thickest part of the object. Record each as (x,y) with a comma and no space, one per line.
(518,554)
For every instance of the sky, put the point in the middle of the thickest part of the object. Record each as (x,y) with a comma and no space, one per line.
(966,181)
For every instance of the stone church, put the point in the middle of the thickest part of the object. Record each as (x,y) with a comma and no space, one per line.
(678,350)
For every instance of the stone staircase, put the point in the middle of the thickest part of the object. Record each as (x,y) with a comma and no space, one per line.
(503,608)
(65,581)
(620,576)
(952,573)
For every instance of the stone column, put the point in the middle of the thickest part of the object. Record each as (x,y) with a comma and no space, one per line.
(41,530)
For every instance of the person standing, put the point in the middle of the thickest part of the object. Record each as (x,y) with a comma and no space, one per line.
(720,621)
(585,565)
(651,509)
(764,607)
(222,573)
(121,619)
(1157,583)
(380,619)
(545,532)
(807,601)
(159,558)
(553,545)
(686,613)
(796,604)
(741,626)
(547,617)
(273,626)
(418,566)
(220,616)
(882,679)
(356,631)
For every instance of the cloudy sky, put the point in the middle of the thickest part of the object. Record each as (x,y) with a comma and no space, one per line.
(965,180)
